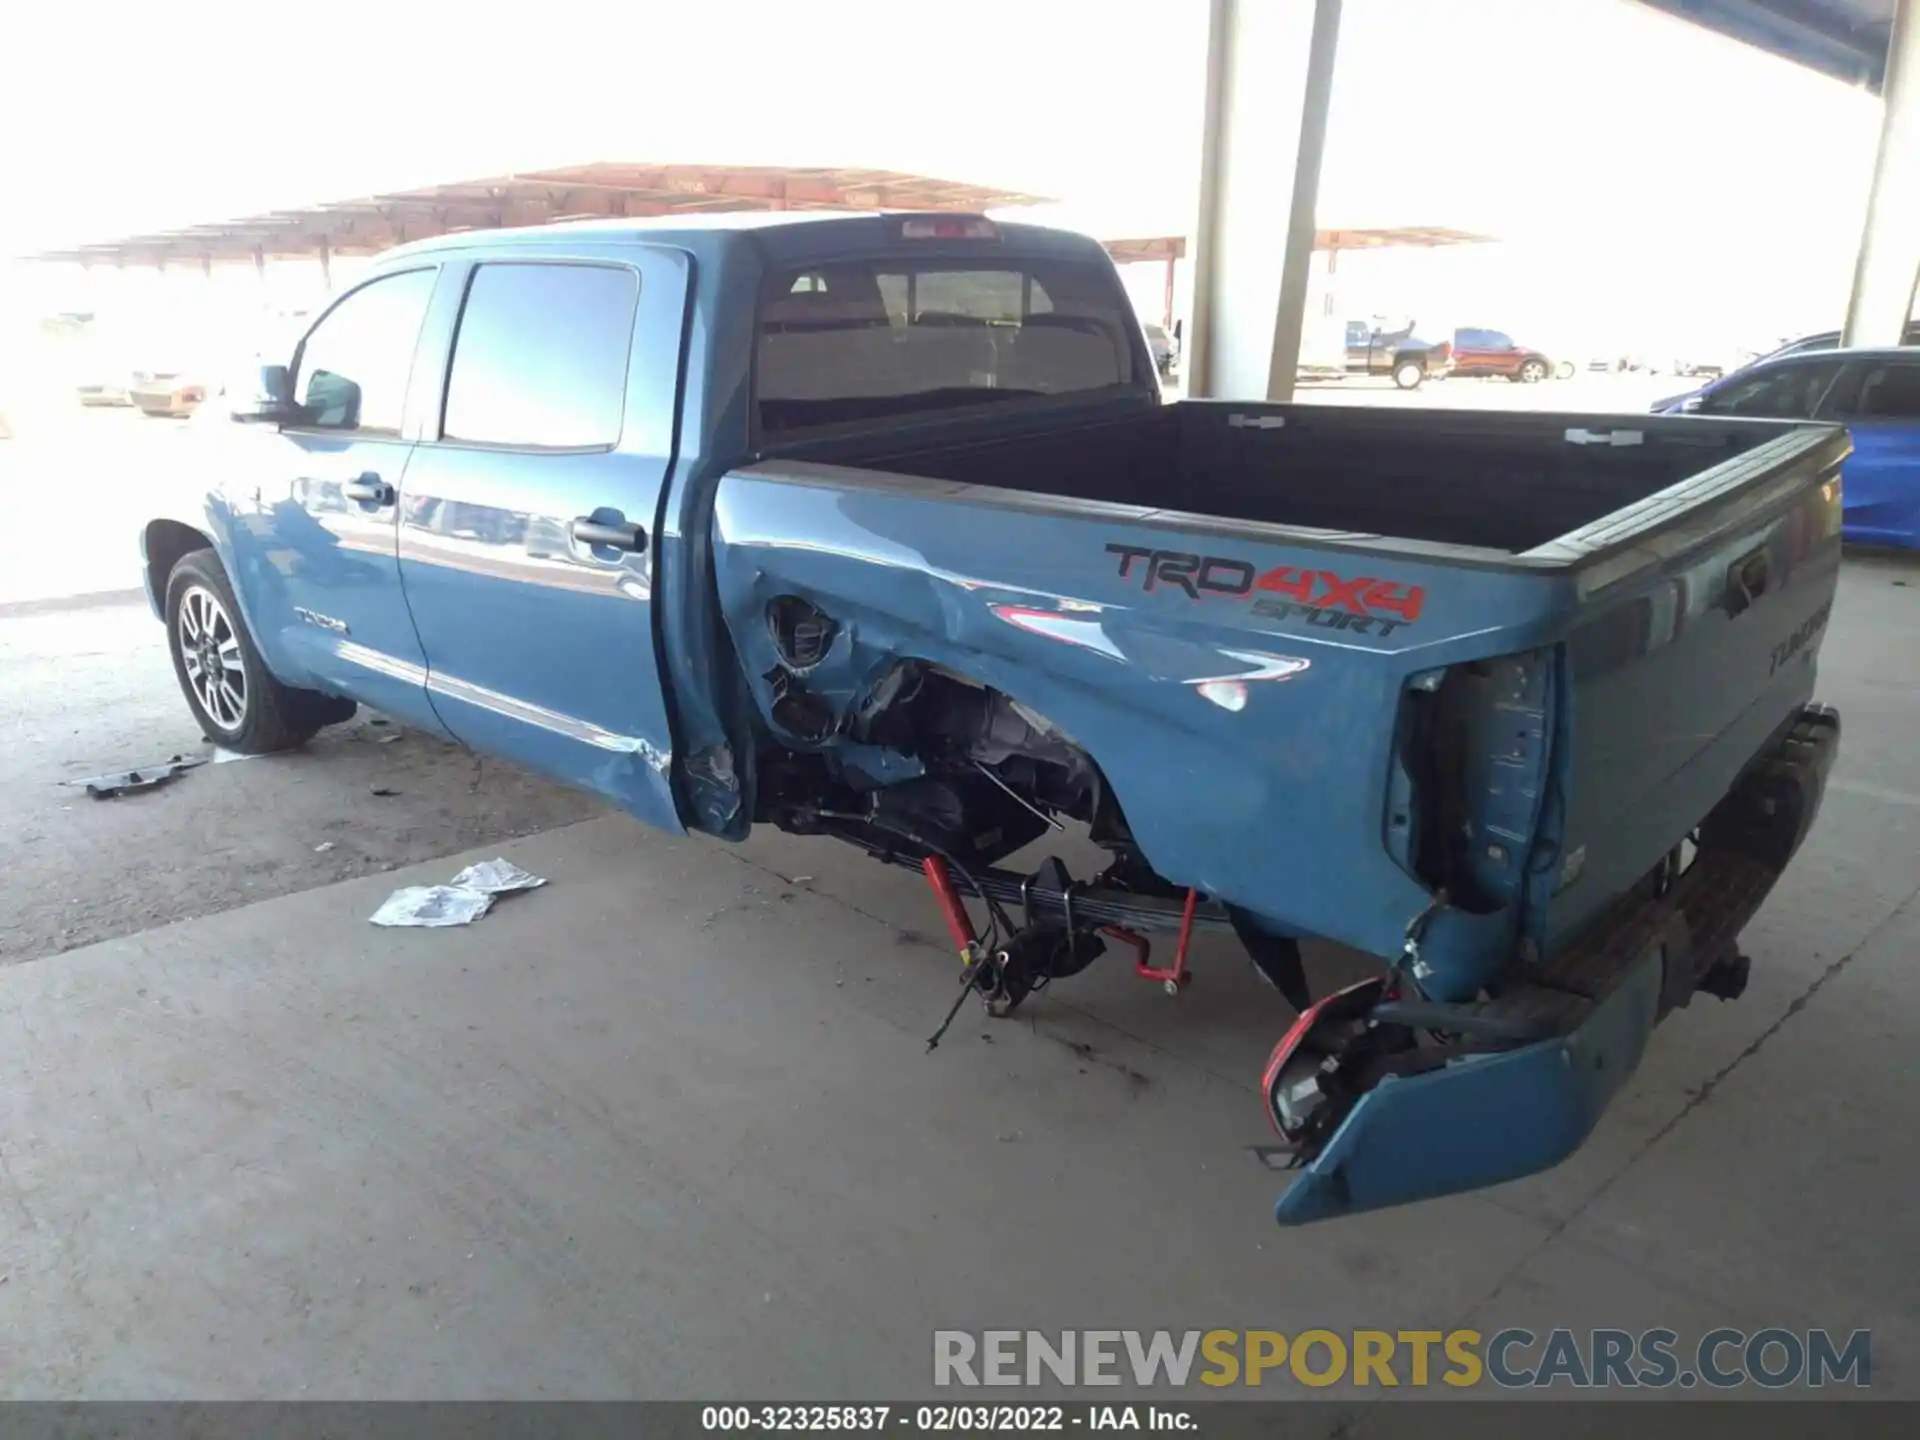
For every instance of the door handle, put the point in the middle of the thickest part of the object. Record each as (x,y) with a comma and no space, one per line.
(368,489)
(619,535)
(1747,580)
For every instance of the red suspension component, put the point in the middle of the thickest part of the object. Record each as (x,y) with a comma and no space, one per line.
(1175,976)
(959,926)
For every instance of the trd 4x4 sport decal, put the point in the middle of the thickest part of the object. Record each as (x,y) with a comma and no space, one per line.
(1320,597)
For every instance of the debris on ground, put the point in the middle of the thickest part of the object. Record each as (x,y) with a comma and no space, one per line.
(224,756)
(324,846)
(147,777)
(470,895)
(497,877)
(383,791)
(433,905)
(386,737)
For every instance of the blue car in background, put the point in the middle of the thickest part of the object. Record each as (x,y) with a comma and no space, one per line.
(1874,393)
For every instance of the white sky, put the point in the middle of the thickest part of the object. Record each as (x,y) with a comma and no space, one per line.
(1644,175)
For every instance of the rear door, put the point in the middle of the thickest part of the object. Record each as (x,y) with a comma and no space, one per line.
(1879,399)
(529,513)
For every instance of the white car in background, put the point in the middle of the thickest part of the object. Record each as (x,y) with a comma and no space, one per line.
(174,394)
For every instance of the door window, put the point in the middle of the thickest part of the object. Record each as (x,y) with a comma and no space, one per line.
(1781,392)
(354,365)
(1879,390)
(540,360)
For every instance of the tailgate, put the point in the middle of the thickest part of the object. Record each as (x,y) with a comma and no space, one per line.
(1702,611)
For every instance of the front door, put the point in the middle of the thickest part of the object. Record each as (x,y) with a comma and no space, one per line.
(317,562)
(528,515)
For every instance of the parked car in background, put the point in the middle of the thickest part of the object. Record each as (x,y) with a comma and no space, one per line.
(1165,348)
(1806,345)
(1874,393)
(171,393)
(1398,352)
(103,392)
(1826,340)
(1493,352)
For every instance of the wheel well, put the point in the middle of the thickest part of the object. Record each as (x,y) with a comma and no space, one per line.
(165,542)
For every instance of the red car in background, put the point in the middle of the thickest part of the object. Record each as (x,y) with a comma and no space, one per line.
(1492,352)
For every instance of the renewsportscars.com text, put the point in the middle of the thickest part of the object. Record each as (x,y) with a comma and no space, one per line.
(1773,1358)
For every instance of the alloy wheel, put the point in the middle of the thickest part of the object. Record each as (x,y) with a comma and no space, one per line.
(210,653)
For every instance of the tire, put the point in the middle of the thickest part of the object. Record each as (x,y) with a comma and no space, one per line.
(244,708)
(1532,372)
(1408,374)
(1565,370)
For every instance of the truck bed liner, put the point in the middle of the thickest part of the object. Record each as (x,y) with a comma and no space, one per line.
(1505,483)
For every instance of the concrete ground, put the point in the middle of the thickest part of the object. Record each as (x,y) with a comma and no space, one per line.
(668,1127)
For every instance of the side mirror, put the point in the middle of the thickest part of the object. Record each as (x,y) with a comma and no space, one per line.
(264,398)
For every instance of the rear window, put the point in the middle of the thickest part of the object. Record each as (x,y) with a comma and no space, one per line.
(540,359)
(876,339)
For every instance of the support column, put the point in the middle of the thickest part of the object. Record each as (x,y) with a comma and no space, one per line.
(326,265)
(1269,82)
(1166,298)
(1889,260)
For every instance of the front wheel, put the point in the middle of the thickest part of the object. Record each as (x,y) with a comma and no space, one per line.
(1408,374)
(236,700)
(1532,372)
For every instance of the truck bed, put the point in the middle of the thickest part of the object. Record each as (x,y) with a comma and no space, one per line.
(1512,483)
(1508,660)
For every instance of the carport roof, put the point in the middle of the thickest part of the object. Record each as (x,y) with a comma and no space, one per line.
(1846,39)
(1174,247)
(373,223)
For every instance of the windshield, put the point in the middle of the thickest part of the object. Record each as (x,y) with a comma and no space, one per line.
(882,338)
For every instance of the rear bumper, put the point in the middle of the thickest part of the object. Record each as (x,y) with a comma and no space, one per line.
(1493,1116)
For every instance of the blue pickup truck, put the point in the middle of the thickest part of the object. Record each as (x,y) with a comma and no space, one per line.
(876,527)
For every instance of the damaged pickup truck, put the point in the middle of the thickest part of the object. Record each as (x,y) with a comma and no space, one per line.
(876,527)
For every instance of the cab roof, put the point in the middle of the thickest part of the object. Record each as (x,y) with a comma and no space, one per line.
(783,237)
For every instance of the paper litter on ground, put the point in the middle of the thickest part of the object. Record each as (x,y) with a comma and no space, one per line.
(433,905)
(462,902)
(497,877)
